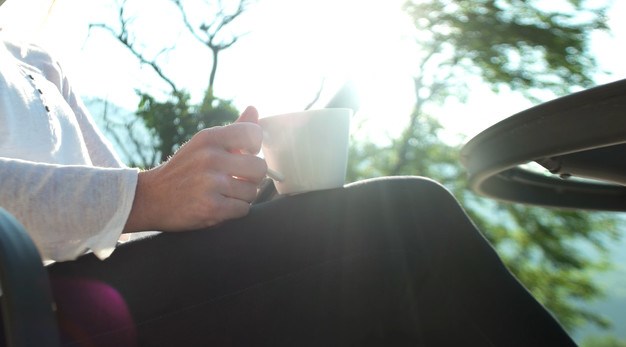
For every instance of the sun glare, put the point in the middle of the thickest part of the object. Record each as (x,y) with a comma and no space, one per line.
(290,49)
(290,53)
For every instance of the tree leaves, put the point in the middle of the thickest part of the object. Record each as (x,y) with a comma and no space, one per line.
(514,43)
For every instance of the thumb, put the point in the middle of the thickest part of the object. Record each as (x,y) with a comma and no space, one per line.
(250,115)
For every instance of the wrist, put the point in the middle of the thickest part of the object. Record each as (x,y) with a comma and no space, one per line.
(141,217)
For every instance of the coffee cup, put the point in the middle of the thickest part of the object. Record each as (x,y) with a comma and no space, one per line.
(307,150)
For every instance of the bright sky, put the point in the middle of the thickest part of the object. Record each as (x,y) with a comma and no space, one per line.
(291,46)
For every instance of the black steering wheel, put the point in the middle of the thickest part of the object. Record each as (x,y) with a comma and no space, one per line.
(580,139)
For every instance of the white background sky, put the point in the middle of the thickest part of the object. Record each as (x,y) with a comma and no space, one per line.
(291,46)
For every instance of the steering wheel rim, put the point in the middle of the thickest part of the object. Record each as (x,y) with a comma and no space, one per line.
(580,135)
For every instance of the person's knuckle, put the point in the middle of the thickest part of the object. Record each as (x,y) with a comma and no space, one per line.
(241,189)
(230,185)
(214,183)
(212,136)
(210,156)
(254,167)
(256,132)
(213,207)
(256,137)
(205,134)
(252,133)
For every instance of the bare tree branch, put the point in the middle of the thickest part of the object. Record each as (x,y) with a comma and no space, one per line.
(123,37)
(188,24)
(207,34)
(213,36)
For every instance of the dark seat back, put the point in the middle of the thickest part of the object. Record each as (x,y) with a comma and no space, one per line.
(27,305)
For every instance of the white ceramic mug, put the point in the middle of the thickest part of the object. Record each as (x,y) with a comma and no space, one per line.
(309,149)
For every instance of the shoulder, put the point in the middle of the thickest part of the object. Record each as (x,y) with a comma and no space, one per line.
(29,52)
(35,58)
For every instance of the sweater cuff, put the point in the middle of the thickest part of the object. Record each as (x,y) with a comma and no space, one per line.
(104,245)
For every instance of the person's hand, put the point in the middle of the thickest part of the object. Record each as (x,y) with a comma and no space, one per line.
(210,179)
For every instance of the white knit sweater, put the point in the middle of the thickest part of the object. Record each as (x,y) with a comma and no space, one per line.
(58,175)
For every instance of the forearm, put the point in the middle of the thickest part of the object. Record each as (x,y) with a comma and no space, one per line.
(68,209)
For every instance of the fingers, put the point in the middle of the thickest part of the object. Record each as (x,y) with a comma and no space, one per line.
(250,114)
(230,198)
(243,166)
(231,148)
(234,208)
(232,187)
(212,178)
(226,209)
(240,136)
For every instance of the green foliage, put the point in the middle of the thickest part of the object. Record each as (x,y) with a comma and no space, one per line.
(174,122)
(554,253)
(512,43)
(603,341)
(426,155)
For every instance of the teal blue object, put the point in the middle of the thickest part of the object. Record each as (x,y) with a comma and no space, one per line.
(27,305)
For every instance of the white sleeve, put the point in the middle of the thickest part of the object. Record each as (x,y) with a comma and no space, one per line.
(67,203)
(68,210)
